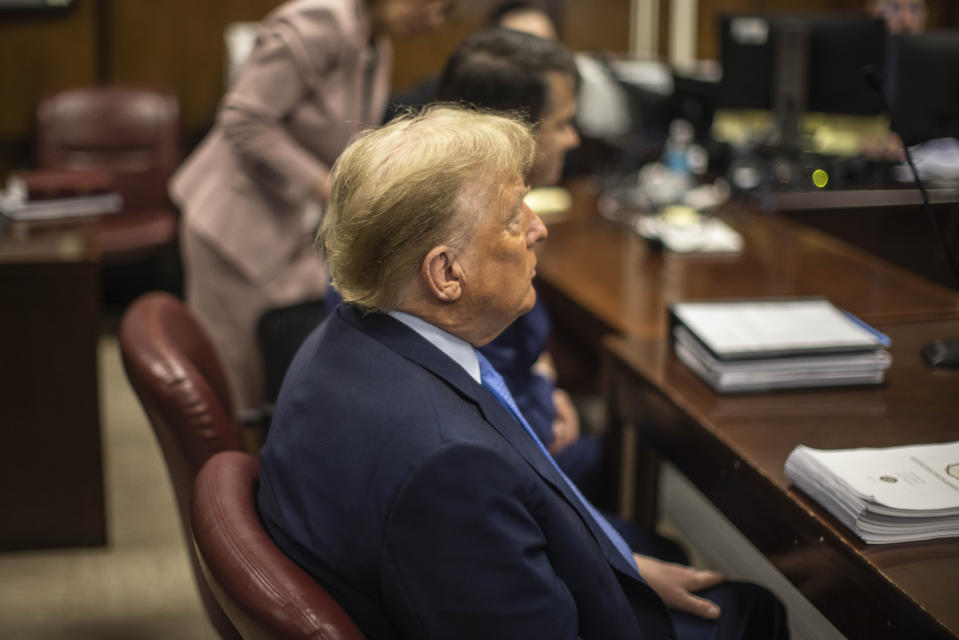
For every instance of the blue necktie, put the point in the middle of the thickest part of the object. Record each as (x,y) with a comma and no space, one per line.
(494,382)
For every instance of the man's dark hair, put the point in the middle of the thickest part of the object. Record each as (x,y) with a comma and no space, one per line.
(504,70)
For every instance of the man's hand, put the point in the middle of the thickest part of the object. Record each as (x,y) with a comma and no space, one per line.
(674,582)
(566,423)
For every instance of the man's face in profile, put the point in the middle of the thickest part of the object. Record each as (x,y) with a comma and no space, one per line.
(556,133)
(498,262)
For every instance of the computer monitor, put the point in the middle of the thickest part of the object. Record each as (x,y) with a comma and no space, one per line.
(839,47)
(922,85)
(818,55)
(748,50)
(694,100)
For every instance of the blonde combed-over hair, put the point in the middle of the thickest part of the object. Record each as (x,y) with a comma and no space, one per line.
(397,192)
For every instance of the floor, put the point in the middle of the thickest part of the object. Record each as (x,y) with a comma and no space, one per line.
(140,586)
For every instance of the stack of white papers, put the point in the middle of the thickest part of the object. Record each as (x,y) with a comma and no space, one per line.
(74,207)
(897,494)
(758,345)
(710,235)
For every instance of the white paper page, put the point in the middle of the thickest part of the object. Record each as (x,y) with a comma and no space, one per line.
(730,328)
(917,477)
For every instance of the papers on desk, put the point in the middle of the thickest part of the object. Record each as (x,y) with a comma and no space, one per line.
(760,345)
(551,204)
(937,162)
(896,494)
(705,235)
(76,207)
(52,194)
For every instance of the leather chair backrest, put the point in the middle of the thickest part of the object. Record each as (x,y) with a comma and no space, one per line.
(133,131)
(179,380)
(265,593)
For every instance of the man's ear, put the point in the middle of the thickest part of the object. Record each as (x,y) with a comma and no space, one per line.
(442,274)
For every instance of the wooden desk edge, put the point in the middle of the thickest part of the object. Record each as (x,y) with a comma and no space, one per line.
(819,526)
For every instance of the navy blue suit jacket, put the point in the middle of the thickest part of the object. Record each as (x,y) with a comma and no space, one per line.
(513,354)
(410,493)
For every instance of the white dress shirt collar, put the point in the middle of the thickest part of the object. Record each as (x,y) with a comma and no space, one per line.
(458,349)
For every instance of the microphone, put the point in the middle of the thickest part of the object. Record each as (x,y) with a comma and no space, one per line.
(939,353)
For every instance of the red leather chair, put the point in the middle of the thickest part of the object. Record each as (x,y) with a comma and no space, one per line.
(134,132)
(179,380)
(265,593)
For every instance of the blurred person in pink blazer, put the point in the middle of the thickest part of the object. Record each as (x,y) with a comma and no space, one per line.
(252,192)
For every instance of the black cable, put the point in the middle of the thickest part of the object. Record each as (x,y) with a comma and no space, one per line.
(875,82)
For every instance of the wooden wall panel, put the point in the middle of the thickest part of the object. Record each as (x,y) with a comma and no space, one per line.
(943,14)
(178,44)
(589,25)
(424,55)
(597,25)
(40,52)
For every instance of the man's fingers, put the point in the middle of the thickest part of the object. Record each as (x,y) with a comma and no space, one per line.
(697,606)
(704,580)
(674,583)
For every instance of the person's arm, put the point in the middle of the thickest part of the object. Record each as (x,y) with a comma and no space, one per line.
(464,558)
(283,70)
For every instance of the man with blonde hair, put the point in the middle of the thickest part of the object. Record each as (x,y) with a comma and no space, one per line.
(398,471)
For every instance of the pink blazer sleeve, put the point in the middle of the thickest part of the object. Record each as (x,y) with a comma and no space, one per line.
(287,66)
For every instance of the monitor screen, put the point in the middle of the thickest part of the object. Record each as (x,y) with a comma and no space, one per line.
(748,46)
(836,47)
(922,85)
(839,48)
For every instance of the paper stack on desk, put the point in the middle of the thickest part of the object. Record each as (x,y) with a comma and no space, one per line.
(761,345)
(53,194)
(897,494)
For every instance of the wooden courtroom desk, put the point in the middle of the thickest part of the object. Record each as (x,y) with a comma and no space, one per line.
(833,199)
(890,223)
(598,277)
(734,447)
(51,479)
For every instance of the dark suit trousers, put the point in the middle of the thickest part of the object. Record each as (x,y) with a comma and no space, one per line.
(749,612)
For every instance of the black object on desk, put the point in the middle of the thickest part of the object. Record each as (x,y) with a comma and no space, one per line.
(941,353)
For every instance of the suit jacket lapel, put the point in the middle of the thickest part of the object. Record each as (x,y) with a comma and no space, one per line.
(409,344)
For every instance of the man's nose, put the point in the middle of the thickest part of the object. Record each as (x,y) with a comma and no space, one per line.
(536,231)
(572,137)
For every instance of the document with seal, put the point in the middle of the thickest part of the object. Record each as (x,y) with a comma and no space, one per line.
(893,494)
